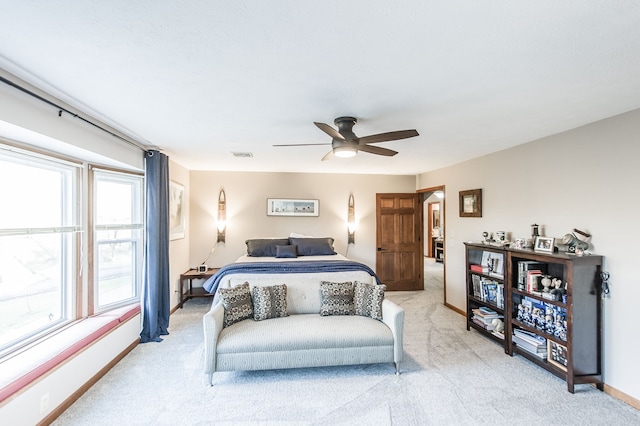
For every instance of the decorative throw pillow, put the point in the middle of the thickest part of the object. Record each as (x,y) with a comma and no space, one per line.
(264,247)
(336,298)
(367,299)
(286,251)
(237,303)
(269,302)
(313,246)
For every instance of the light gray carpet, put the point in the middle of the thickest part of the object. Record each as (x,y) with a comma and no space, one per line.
(449,376)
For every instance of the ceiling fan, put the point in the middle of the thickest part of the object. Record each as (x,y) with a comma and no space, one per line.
(345,143)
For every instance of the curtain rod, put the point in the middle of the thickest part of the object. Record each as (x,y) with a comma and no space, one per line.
(62,109)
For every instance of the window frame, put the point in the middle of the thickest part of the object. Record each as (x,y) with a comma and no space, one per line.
(94,172)
(70,230)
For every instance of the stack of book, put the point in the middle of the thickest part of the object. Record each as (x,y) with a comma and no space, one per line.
(529,273)
(484,317)
(530,342)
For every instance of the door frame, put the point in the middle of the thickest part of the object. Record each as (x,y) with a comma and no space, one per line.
(426,193)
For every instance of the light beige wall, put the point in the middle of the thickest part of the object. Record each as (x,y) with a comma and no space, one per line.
(585,178)
(247,195)
(179,248)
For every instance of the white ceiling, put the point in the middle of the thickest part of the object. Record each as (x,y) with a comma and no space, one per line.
(203,79)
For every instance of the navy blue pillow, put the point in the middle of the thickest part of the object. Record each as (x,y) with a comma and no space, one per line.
(313,246)
(286,251)
(265,247)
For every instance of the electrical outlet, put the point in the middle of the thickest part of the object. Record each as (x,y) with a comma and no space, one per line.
(44,403)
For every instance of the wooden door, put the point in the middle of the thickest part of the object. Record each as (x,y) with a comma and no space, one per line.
(399,229)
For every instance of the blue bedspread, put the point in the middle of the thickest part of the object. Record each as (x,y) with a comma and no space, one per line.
(211,285)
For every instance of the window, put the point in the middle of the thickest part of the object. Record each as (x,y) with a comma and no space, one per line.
(39,239)
(118,243)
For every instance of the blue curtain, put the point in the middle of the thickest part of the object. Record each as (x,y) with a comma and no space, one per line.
(155,286)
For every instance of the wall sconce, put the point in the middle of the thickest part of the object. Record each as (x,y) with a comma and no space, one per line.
(351,221)
(222,216)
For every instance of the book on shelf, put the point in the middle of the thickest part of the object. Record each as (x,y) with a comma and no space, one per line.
(479,269)
(489,291)
(482,323)
(533,278)
(523,267)
(498,334)
(476,281)
(486,316)
(528,346)
(533,338)
(500,295)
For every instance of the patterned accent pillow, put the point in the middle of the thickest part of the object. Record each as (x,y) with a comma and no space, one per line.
(336,298)
(368,298)
(269,302)
(237,303)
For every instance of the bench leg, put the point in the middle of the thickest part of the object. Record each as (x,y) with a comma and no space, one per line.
(397,364)
(210,379)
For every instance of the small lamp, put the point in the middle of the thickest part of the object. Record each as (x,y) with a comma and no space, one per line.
(351,221)
(222,216)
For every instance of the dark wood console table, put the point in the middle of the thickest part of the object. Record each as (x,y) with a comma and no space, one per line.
(191,292)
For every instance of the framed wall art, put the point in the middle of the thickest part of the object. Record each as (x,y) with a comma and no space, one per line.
(471,203)
(176,211)
(292,207)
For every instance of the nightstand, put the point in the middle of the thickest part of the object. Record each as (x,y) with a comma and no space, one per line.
(191,292)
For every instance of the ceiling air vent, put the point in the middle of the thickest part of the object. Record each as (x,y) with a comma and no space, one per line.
(242,154)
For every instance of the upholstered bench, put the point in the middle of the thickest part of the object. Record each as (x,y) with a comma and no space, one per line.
(303,338)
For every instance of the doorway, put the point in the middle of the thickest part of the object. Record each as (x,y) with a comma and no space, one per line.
(433,200)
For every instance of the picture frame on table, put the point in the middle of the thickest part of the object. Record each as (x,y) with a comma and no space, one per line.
(471,203)
(292,207)
(557,355)
(544,244)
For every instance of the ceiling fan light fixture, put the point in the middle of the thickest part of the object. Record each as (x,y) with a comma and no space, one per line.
(345,151)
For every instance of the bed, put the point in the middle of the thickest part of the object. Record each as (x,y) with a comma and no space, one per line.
(285,260)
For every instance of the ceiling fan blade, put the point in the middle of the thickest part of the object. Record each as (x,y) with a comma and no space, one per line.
(377,150)
(328,156)
(303,144)
(389,136)
(329,130)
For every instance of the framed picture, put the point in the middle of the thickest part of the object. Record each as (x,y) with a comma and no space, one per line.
(436,218)
(557,355)
(471,203)
(288,207)
(544,244)
(176,210)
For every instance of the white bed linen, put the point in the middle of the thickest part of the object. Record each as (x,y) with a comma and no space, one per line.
(245,258)
(293,280)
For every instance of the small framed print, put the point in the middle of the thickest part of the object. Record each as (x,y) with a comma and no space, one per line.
(557,355)
(544,244)
(176,211)
(471,203)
